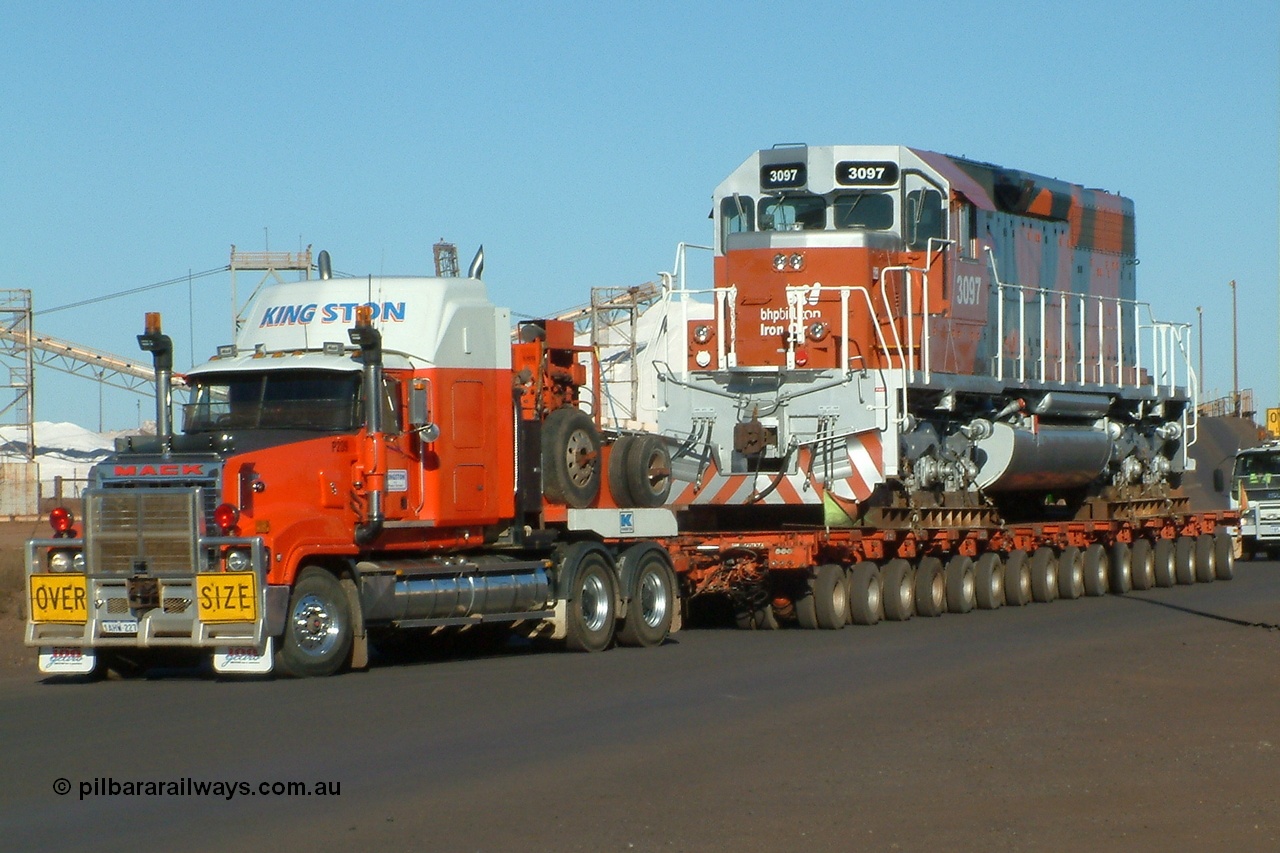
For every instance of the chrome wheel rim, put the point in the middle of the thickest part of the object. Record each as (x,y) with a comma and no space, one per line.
(316,627)
(653,600)
(593,604)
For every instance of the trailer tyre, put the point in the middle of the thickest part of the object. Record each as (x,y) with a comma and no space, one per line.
(1097,570)
(931,587)
(1184,560)
(898,590)
(1044,575)
(866,599)
(1070,573)
(1206,559)
(318,630)
(648,471)
(570,457)
(961,585)
(1017,579)
(591,599)
(1225,564)
(759,617)
(1143,563)
(651,588)
(1121,568)
(830,597)
(1162,555)
(988,576)
(617,472)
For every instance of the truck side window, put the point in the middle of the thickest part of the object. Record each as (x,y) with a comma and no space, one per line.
(924,218)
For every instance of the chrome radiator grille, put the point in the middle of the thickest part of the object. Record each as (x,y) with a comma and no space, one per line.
(133,531)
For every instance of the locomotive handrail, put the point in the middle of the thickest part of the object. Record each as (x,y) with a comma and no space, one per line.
(1165,340)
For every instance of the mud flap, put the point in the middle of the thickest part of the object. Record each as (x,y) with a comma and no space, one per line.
(359,637)
(245,660)
(67,660)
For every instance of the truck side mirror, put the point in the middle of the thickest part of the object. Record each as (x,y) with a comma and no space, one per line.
(1219,482)
(420,410)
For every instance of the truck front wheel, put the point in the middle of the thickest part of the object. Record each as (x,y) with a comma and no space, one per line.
(317,633)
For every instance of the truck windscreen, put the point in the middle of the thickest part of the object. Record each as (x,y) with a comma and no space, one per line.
(321,400)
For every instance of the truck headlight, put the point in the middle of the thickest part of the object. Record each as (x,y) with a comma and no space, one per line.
(66,561)
(239,561)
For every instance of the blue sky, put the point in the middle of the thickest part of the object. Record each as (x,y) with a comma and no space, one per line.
(579,142)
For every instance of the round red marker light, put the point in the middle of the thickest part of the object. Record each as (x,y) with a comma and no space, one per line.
(226,516)
(61,519)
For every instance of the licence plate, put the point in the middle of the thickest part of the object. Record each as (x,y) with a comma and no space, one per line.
(120,626)
(58,598)
(227,597)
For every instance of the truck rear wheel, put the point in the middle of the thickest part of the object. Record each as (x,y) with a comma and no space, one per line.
(898,590)
(1225,564)
(1184,560)
(866,602)
(1206,559)
(1142,563)
(1163,557)
(590,600)
(1044,575)
(1070,573)
(988,576)
(570,457)
(931,587)
(318,631)
(1097,570)
(830,597)
(961,593)
(1017,579)
(1121,568)
(651,592)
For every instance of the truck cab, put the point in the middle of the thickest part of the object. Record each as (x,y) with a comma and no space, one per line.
(1255,492)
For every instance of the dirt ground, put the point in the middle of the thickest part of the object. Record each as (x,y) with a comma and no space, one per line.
(15,658)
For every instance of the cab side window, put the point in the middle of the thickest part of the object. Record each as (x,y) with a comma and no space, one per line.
(925,219)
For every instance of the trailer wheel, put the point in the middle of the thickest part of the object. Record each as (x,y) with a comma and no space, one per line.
(591,599)
(961,593)
(1097,570)
(1044,575)
(1162,555)
(1143,562)
(1225,564)
(866,599)
(1070,573)
(830,595)
(988,576)
(1184,560)
(1121,568)
(617,472)
(1017,579)
(570,457)
(648,471)
(931,587)
(318,631)
(1206,559)
(898,590)
(651,590)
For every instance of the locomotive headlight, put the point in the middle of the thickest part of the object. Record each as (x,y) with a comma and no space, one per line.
(702,334)
(817,331)
(238,561)
(797,261)
(779,262)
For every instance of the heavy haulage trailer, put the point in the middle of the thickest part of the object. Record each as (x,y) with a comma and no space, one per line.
(918,385)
